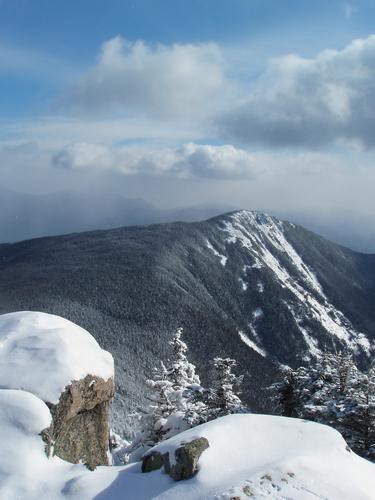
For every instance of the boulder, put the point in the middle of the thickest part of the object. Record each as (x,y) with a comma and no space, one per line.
(152,461)
(64,366)
(186,460)
(80,422)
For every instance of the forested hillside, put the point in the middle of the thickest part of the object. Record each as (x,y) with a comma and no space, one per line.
(243,285)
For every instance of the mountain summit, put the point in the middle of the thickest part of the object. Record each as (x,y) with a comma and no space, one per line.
(244,285)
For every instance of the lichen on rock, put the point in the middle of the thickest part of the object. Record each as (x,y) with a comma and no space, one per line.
(185,464)
(80,422)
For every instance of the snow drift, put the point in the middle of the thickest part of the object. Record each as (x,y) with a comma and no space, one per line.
(253,456)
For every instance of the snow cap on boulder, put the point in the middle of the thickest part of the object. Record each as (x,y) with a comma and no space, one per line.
(42,353)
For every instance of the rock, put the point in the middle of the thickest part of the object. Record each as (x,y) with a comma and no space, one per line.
(187,457)
(152,461)
(80,422)
(186,460)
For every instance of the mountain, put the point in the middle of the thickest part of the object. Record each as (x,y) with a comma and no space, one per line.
(24,216)
(244,285)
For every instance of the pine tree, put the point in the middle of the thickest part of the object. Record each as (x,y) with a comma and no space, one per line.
(223,399)
(175,400)
(287,395)
(333,392)
(152,420)
(357,412)
(187,390)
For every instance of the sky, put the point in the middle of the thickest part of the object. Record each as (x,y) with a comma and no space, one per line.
(256,104)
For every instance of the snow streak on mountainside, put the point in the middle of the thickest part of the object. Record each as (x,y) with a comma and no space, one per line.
(263,236)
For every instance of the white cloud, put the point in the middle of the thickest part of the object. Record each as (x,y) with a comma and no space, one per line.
(310,102)
(176,80)
(188,161)
(201,161)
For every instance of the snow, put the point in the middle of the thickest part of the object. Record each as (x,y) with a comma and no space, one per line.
(263,236)
(223,258)
(250,343)
(243,284)
(25,471)
(258,313)
(60,350)
(273,457)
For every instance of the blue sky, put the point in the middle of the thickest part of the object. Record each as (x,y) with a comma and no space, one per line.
(264,104)
(68,34)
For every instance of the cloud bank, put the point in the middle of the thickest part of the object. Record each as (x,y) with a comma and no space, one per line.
(302,102)
(188,161)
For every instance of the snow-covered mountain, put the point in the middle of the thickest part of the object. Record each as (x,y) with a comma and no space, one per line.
(244,285)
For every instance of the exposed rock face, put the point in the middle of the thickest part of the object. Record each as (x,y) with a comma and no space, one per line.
(80,425)
(186,460)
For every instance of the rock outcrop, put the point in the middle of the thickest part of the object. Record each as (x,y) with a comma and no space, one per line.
(186,460)
(62,365)
(80,422)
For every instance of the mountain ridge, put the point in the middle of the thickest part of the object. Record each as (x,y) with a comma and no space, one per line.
(243,284)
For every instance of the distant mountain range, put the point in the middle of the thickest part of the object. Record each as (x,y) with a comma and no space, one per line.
(25,216)
(243,284)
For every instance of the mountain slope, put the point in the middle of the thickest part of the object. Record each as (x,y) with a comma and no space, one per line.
(243,285)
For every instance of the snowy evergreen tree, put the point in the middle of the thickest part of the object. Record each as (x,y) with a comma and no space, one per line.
(175,401)
(356,414)
(333,392)
(223,398)
(288,396)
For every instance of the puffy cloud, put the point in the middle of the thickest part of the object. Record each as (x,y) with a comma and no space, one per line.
(188,161)
(310,102)
(156,80)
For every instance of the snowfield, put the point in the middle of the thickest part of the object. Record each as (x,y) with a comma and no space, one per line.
(42,353)
(250,456)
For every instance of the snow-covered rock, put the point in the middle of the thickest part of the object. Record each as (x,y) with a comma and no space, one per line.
(42,353)
(254,456)
(64,366)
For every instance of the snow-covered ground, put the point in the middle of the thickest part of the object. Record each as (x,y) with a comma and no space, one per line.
(250,456)
(43,353)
